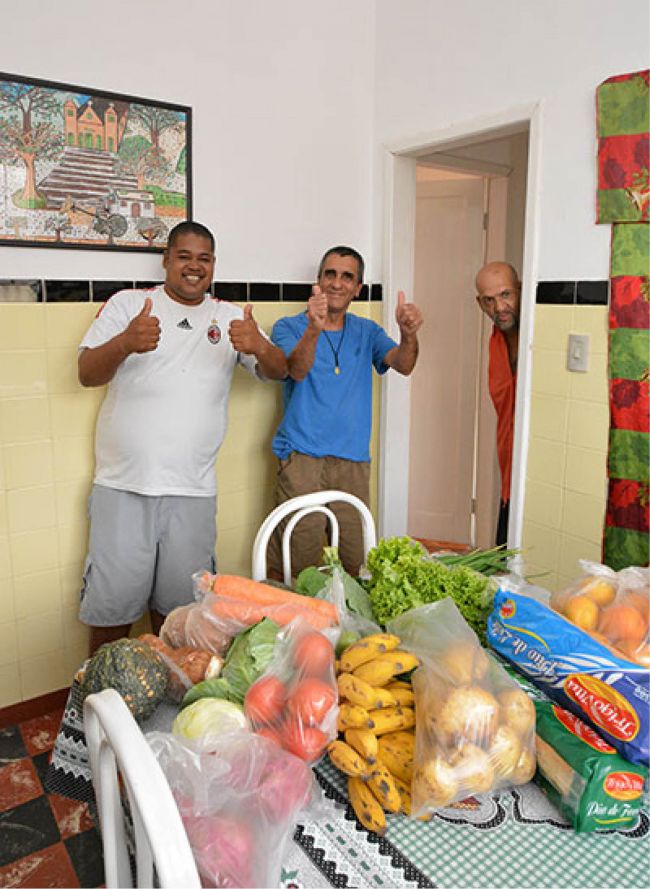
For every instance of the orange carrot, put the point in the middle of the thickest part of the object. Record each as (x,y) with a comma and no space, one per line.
(261,593)
(249,613)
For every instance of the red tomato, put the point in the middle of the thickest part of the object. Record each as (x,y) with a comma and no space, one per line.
(265,699)
(310,701)
(313,655)
(303,740)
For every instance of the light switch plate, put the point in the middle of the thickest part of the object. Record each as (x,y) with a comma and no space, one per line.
(578,352)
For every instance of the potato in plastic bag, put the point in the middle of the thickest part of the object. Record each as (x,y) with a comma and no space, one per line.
(475,728)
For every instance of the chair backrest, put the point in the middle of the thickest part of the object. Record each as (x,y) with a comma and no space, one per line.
(301,506)
(116,745)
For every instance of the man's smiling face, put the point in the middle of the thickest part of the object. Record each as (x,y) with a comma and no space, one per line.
(189,265)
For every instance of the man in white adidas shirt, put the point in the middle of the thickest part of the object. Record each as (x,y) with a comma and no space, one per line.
(168,355)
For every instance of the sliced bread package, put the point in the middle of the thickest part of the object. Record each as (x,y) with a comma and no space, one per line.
(608,691)
(590,783)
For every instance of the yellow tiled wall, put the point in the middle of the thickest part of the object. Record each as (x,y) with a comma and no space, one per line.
(566,483)
(47,425)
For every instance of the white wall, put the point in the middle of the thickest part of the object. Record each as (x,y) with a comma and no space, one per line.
(440,65)
(282,102)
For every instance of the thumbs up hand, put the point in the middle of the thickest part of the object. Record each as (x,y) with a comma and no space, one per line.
(143,332)
(244,333)
(317,308)
(408,316)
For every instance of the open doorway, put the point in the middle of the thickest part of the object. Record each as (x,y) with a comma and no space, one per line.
(470,209)
(460,199)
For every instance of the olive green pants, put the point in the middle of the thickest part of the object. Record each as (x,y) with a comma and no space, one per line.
(300,474)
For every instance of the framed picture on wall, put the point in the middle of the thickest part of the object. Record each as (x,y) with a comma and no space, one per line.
(87,169)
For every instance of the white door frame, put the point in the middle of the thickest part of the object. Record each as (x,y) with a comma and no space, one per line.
(399,259)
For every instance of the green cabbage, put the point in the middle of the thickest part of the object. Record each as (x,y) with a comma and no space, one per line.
(209,716)
(248,657)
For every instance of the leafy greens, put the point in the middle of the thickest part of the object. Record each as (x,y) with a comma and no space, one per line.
(248,657)
(403,576)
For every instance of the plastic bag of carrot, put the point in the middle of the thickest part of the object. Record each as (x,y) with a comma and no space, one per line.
(239,602)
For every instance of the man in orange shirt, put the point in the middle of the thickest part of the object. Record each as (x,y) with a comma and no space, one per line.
(498,294)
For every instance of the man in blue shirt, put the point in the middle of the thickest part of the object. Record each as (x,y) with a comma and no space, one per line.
(323,440)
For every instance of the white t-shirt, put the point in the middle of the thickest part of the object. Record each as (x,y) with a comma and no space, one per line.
(165,412)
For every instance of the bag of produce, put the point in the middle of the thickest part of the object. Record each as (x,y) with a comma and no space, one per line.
(591,784)
(294,702)
(247,658)
(235,603)
(475,728)
(613,607)
(187,666)
(239,796)
(194,626)
(574,668)
(376,725)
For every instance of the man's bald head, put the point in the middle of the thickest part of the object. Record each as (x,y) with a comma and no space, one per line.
(499,269)
(498,292)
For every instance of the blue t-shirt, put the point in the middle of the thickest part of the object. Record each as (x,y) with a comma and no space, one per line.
(329,414)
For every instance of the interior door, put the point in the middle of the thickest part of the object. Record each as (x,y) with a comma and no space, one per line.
(449,250)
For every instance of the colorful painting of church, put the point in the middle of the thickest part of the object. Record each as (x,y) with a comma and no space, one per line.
(87,168)
(98,123)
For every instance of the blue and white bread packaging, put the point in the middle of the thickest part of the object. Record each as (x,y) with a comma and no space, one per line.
(610,693)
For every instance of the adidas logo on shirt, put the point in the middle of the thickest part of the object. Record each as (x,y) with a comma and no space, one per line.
(184,324)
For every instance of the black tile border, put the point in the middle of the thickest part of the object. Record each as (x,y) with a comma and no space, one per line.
(259,292)
(54,290)
(592,293)
(231,291)
(549,293)
(556,293)
(296,293)
(572,293)
(102,290)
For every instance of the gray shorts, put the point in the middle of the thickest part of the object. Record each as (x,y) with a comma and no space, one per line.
(142,553)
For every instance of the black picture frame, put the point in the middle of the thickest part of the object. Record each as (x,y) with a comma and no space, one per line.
(87,169)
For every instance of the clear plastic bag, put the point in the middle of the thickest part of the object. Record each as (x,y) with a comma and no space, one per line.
(475,728)
(613,607)
(295,702)
(193,625)
(187,666)
(240,797)
(351,626)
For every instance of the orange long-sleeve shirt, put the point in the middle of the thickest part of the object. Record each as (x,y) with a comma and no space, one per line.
(502,383)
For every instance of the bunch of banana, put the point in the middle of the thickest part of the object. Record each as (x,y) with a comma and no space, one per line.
(376,726)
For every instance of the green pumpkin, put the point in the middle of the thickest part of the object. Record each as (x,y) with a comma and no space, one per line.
(133,669)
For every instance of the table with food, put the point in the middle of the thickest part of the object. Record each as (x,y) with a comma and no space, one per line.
(439,721)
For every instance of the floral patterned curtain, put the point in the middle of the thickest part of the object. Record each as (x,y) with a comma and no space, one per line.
(623,111)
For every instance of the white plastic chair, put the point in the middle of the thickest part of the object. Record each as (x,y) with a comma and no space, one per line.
(116,743)
(302,506)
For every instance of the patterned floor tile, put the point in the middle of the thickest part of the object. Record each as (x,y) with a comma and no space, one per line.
(19,783)
(27,829)
(72,817)
(48,867)
(86,854)
(41,762)
(12,746)
(40,734)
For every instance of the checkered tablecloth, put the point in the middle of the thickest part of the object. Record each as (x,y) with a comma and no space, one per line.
(512,839)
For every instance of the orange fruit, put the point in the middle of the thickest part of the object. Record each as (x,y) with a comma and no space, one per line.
(601,591)
(560,598)
(638,600)
(623,623)
(583,612)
